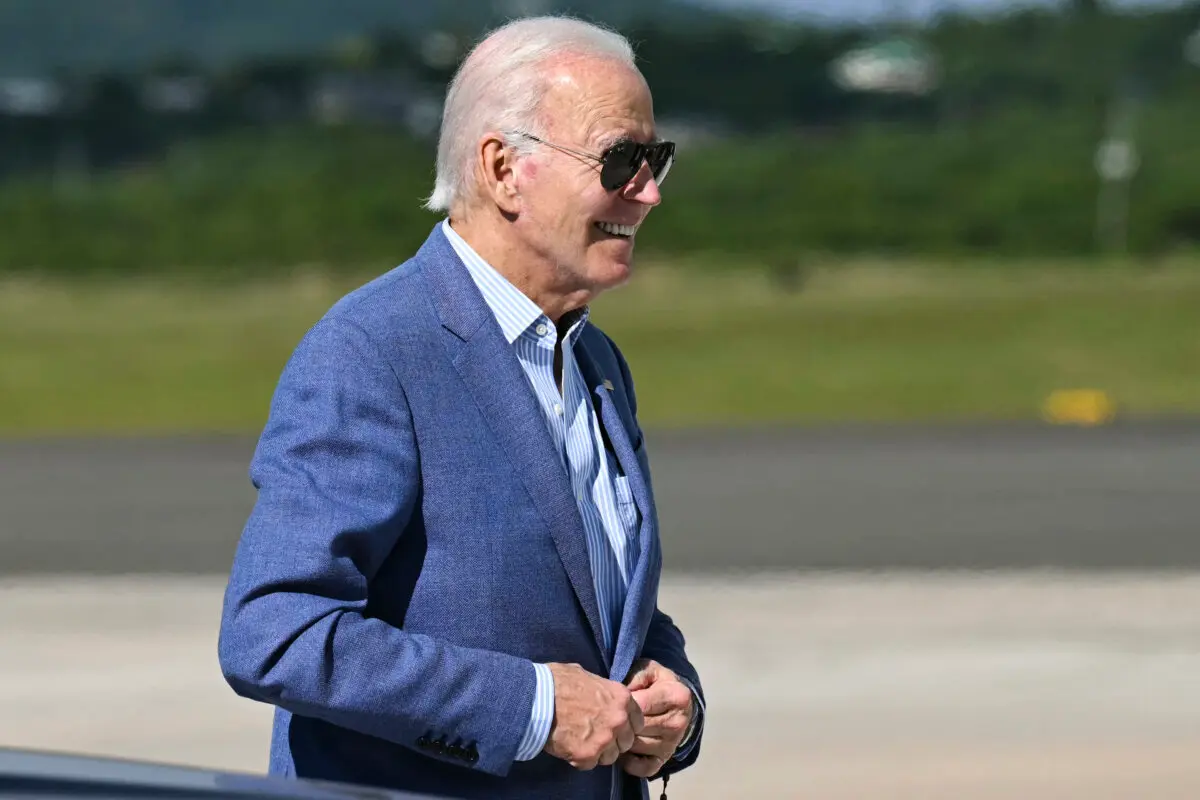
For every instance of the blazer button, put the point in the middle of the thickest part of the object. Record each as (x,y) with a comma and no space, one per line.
(423,742)
(472,755)
(439,747)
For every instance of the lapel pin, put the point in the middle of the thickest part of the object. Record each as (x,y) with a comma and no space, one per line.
(608,384)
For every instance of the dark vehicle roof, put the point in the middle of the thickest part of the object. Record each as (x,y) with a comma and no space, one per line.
(35,775)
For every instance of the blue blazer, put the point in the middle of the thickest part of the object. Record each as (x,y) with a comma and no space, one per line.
(415,544)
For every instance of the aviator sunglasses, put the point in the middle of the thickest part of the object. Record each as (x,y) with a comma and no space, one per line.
(619,163)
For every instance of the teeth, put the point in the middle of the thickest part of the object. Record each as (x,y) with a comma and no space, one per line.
(617,230)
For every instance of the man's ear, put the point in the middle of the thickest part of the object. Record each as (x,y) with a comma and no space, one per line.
(498,165)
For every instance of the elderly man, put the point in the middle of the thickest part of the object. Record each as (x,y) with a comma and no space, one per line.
(449,581)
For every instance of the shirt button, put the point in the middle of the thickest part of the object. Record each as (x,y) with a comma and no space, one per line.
(558,409)
(541,330)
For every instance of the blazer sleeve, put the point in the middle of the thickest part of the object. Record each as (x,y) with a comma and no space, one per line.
(665,643)
(336,471)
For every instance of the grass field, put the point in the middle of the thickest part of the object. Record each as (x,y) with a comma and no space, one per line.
(861,342)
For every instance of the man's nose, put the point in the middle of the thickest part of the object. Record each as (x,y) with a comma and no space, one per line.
(643,188)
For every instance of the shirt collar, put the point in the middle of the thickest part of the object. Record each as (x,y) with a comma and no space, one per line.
(516,313)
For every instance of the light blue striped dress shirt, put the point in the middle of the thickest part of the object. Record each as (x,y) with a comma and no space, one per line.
(610,517)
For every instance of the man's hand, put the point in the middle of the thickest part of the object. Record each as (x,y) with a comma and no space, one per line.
(668,706)
(595,719)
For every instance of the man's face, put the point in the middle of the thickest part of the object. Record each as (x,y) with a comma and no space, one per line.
(591,105)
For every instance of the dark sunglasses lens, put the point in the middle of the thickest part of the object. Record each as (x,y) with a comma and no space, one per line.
(660,158)
(621,163)
(624,160)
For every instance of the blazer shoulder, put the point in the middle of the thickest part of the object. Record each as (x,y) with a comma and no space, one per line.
(389,305)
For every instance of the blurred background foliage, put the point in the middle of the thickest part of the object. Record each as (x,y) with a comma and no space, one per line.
(163,135)
(950,217)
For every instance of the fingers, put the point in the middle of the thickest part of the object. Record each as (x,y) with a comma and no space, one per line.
(643,674)
(625,737)
(641,766)
(663,697)
(661,746)
(661,735)
(664,725)
(626,734)
(648,746)
(637,717)
(596,720)
(653,702)
(610,755)
(606,757)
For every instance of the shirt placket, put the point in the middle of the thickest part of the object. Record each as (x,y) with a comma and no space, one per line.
(591,478)
(545,339)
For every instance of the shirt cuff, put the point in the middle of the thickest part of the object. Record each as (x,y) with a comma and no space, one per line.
(541,717)
(693,734)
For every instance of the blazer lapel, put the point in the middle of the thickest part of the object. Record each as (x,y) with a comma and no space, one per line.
(493,375)
(640,600)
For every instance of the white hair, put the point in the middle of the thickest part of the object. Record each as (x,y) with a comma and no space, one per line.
(499,86)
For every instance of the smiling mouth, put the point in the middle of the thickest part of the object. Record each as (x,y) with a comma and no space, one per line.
(623,231)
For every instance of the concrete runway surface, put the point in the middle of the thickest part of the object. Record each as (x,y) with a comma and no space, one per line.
(948,686)
(1014,496)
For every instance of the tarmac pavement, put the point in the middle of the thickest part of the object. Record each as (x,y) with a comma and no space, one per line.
(947,497)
